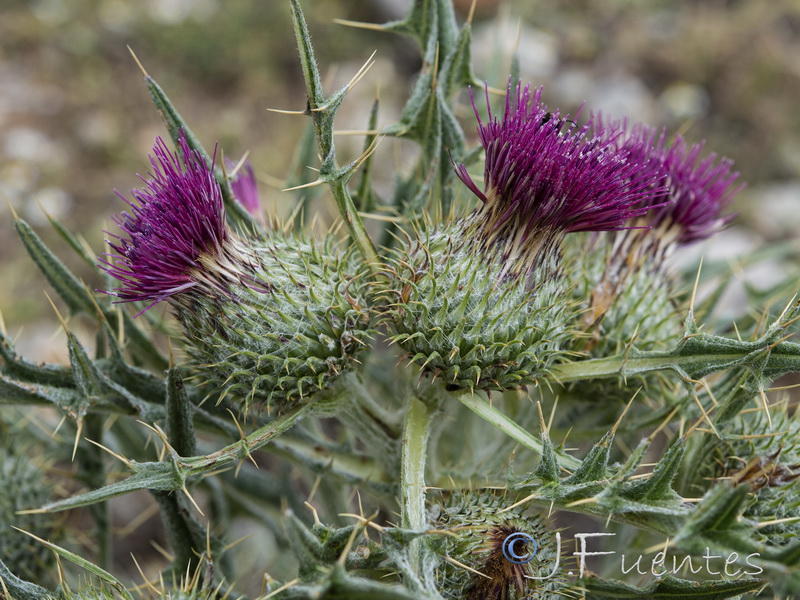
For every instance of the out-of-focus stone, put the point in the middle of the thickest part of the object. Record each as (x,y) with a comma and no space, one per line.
(683,100)
(775,209)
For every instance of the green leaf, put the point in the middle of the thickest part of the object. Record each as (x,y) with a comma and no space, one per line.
(595,466)
(68,287)
(22,369)
(365,197)
(102,574)
(19,392)
(323,111)
(78,245)
(19,589)
(146,476)
(658,487)
(308,62)
(493,416)
(172,474)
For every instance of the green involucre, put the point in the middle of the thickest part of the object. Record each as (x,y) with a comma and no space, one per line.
(456,313)
(287,331)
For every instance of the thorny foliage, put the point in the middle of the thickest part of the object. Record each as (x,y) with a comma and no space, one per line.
(385,481)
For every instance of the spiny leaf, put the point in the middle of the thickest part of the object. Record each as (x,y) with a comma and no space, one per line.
(493,416)
(19,589)
(172,474)
(22,369)
(146,476)
(237,214)
(18,392)
(85,564)
(71,291)
(595,466)
(658,486)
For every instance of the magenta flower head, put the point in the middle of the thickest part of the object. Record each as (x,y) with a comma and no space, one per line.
(245,188)
(546,177)
(266,319)
(699,189)
(174,221)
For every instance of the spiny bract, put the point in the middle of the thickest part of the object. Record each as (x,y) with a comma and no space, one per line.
(479,547)
(23,487)
(288,331)
(455,313)
(764,453)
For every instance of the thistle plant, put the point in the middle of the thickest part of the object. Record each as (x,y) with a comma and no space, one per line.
(447,405)
(269,319)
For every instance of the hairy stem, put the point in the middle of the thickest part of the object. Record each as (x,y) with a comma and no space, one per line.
(496,418)
(784,357)
(416,431)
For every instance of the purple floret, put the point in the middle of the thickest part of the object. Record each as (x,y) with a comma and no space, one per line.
(545,174)
(245,188)
(698,189)
(175,219)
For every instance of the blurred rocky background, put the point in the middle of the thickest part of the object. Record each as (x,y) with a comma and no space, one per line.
(76,122)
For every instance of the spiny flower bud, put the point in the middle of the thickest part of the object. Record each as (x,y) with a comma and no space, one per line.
(481,302)
(763,453)
(493,552)
(271,319)
(463,319)
(245,187)
(23,487)
(627,284)
(626,295)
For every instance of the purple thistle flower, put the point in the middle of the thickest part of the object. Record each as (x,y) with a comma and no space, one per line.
(245,188)
(698,189)
(544,179)
(176,219)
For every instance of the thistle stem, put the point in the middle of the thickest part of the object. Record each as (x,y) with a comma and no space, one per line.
(496,418)
(322,110)
(785,357)
(416,431)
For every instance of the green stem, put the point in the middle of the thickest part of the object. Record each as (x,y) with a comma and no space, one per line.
(493,416)
(349,214)
(239,450)
(416,431)
(360,470)
(322,110)
(91,463)
(784,357)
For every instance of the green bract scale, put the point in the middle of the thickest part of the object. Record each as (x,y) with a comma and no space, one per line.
(764,454)
(626,294)
(492,553)
(458,315)
(23,487)
(285,332)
